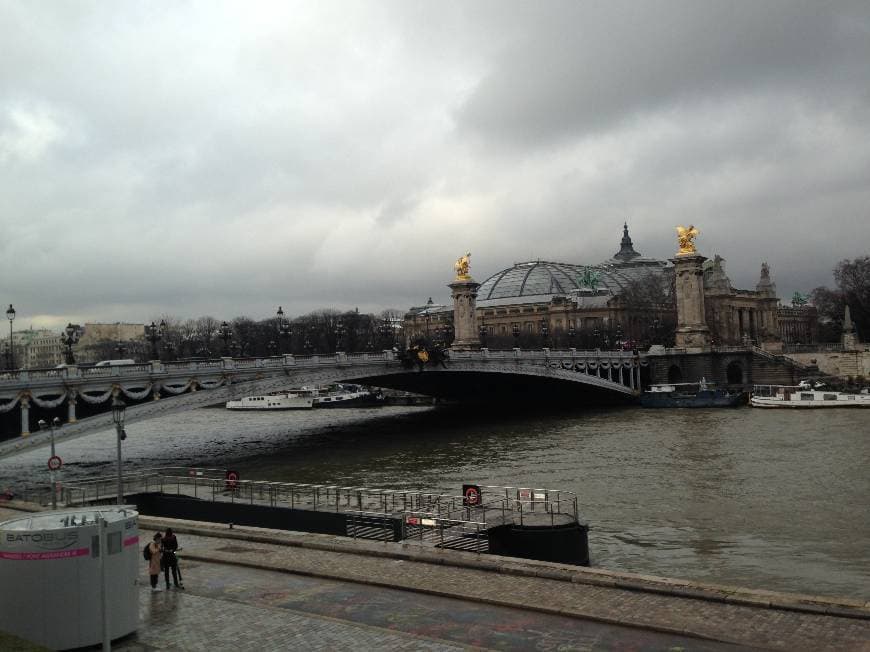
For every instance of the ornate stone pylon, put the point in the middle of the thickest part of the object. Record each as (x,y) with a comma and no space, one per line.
(464,291)
(692,331)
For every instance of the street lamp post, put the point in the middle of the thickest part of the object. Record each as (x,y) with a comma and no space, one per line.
(285,332)
(118,409)
(70,337)
(339,334)
(482,334)
(618,342)
(54,423)
(571,335)
(273,348)
(516,331)
(10,315)
(154,333)
(545,332)
(226,334)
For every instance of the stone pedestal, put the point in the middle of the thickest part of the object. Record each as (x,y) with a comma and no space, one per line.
(692,331)
(464,303)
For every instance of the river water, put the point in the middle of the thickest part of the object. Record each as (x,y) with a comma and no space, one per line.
(772,499)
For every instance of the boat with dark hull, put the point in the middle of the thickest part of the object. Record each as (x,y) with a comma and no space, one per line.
(689,395)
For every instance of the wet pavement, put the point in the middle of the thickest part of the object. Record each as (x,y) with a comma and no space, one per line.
(227,607)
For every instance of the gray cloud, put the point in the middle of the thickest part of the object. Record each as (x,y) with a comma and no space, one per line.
(209,158)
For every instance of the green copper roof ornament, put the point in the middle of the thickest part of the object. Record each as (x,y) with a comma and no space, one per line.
(589,278)
(798,300)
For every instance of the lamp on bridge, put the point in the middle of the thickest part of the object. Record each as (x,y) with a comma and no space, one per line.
(118,409)
(285,332)
(545,332)
(339,334)
(655,333)
(596,338)
(387,333)
(10,315)
(154,333)
(70,336)
(273,348)
(226,334)
(618,341)
(481,332)
(54,423)
(571,335)
(516,331)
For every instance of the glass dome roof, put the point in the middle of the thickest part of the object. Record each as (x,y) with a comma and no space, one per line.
(540,277)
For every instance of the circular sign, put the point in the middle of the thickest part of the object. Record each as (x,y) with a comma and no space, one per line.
(54,463)
(232,478)
(472,496)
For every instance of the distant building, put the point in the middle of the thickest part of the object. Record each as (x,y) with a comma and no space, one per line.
(626,300)
(107,341)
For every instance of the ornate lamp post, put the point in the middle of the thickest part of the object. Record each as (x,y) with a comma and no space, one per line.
(482,334)
(387,333)
(545,332)
(618,342)
(226,334)
(10,315)
(54,423)
(272,346)
(118,409)
(284,330)
(571,335)
(596,338)
(655,327)
(339,334)
(516,331)
(154,333)
(70,337)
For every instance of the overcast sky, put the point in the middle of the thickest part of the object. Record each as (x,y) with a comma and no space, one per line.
(208,158)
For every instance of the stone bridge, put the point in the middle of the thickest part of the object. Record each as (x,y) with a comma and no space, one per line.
(569,377)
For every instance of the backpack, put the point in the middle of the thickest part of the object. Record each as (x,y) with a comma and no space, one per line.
(146,552)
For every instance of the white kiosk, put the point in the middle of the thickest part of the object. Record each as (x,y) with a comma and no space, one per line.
(50,571)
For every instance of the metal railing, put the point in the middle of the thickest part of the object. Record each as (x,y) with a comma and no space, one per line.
(427,518)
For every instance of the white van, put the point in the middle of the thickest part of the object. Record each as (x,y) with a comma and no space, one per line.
(113,363)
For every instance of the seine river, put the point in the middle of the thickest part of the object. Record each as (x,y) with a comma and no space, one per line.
(767,499)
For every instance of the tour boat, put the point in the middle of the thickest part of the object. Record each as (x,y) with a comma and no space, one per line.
(281,401)
(342,395)
(805,396)
(689,395)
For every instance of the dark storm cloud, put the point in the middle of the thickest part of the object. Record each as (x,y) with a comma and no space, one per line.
(590,65)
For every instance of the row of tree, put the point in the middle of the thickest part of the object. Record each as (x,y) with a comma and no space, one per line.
(322,331)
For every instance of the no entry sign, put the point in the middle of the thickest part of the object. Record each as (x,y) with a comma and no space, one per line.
(470,495)
(232,478)
(54,463)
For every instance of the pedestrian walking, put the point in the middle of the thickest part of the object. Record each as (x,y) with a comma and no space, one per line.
(154,553)
(170,559)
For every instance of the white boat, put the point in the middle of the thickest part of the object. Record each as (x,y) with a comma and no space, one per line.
(805,395)
(281,401)
(342,395)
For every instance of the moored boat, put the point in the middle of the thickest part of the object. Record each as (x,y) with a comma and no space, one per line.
(805,395)
(280,401)
(689,395)
(344,395)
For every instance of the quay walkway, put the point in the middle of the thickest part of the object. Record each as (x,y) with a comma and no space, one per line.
(273,590)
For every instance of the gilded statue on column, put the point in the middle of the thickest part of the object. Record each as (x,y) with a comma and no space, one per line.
(686,238)
(462,265)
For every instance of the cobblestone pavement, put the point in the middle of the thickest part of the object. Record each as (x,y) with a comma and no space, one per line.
(737,623)
(226,607)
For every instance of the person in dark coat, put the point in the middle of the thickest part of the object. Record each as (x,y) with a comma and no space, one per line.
(170,559)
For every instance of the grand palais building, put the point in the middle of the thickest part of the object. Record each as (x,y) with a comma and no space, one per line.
(626,301)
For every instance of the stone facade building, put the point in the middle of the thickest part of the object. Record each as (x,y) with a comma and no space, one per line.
(627,300)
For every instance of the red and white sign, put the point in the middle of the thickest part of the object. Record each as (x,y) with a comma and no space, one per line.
(232,478)
(54,463)
(412,520)
(470,495)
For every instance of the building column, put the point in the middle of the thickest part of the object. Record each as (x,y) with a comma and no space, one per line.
(464,293)
(24,401)
(71,406)
(692,331)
